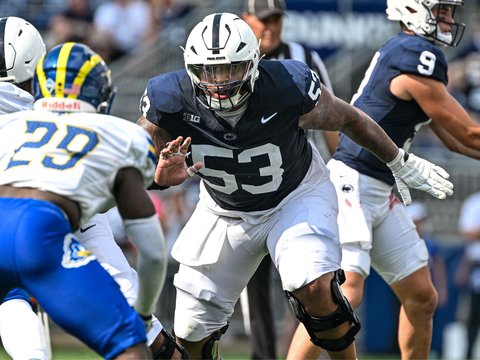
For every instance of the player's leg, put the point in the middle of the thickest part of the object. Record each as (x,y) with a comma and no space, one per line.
(208,292)
(419,300)
(401,259)
(72,287)
(20,328)
(97,237)
(301,346)
(307,253)
(206,296)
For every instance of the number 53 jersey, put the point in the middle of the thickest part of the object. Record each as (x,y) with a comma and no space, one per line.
(76,155)
(255,164)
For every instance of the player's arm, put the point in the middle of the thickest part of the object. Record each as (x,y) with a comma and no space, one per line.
(441,107)
(143,227)
(331,137)
(171,153)
(334,114)
(452,143)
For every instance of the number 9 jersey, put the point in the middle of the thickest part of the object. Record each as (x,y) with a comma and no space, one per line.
(76,155)
(401,119)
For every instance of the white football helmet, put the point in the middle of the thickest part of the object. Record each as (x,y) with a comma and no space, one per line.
(21,46)
(418,17)
(221,57)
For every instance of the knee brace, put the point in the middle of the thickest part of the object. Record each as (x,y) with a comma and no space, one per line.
(210,348)
(342,314)
(168,347)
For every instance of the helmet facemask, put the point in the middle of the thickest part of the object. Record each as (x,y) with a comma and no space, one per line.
(420,16)
(451,38)
(222,87)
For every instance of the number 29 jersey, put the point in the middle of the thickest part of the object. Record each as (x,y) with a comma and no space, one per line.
(255,164)
(76,155)
(400,119)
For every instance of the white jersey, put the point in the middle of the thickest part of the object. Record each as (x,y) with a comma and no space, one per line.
(76,155)
(13,99)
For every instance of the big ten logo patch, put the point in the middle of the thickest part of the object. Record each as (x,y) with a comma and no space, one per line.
(191,118)
(74,253)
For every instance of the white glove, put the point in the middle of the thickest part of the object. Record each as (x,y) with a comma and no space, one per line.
(412,171)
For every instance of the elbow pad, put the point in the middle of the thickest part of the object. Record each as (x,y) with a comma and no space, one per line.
(147,236)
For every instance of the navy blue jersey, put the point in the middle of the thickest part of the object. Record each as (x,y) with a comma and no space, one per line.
(255,164)
(403,54)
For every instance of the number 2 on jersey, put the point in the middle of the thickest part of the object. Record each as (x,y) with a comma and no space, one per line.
(73,157)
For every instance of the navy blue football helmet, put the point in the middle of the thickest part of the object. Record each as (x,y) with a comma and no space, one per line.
(72,77)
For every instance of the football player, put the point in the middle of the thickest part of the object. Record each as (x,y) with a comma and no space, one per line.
(22,46)
(265,189)
(97,236)
(404,88)
(266,19)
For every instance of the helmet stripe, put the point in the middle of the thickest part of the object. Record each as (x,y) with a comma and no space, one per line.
(216,34)
(62,68)
(83,73)
(3,65)
(42,79)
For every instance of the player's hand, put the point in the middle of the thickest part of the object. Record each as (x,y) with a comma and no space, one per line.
(411,171)
(171,168)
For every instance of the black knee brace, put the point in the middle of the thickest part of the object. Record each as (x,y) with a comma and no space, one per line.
(342,314)
(168,347)
(210,348)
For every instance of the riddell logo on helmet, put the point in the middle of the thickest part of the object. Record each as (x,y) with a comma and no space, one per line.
(61,105)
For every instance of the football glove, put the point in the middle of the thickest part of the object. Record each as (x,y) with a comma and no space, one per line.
(412,171)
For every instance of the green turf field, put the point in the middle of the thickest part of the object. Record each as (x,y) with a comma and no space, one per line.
(86,354)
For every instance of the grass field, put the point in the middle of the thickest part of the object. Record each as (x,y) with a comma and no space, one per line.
(66,347)
(86,354)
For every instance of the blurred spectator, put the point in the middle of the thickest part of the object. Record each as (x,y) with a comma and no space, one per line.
(436,261)
(167,11)
(468,273)
(74,24)
(121,26)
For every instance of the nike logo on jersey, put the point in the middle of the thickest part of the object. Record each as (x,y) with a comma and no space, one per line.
(265,120)
(82,230)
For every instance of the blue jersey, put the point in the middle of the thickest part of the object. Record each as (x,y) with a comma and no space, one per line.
(265,156)
(401,119)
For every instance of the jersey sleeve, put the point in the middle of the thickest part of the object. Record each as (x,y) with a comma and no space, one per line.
(429,62)
(160,102)
(307,82)
(141,155)
(147,104)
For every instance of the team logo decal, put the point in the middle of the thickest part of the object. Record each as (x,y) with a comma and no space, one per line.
(50,85)
(347,188)
(74,253)
(191,117)
(230,136)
